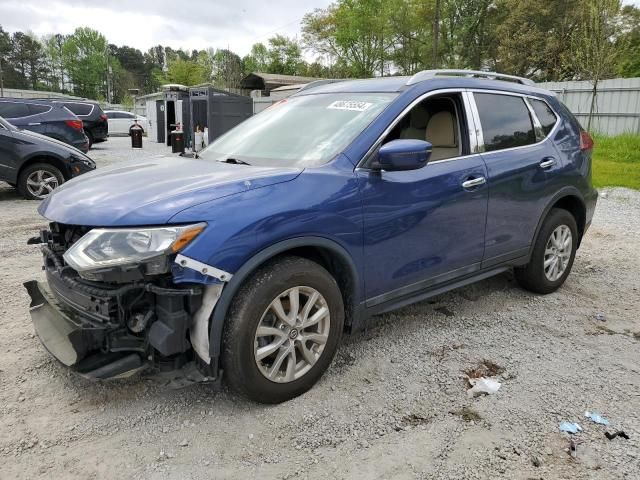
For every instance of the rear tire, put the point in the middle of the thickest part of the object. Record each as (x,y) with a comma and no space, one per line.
(39,180)
(553,254)
(90,137)
(254,328)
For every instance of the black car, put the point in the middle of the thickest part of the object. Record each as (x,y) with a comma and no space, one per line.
(47,118)
(37,164)
(95,121)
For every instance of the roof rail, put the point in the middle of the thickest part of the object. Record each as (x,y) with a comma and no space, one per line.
(318,83)
(428,74)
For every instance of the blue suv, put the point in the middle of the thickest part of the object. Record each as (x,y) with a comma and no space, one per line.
(349,199)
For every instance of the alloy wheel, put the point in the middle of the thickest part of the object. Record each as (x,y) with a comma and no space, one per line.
(41,183)
(557,253)
(292,334)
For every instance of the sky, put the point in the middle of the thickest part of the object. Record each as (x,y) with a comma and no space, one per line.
(234,24)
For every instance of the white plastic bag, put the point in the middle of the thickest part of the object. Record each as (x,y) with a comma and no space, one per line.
(483,385)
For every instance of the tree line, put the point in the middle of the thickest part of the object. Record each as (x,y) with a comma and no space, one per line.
(544,40)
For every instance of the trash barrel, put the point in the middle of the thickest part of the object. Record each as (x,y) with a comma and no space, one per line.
(136,136)
(177,141)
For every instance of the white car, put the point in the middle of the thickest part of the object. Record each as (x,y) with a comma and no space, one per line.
(120,121)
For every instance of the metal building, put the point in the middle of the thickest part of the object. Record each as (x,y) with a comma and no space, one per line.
(217,110)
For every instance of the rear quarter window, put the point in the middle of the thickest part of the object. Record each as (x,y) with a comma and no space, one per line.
(81,109)
(505,121)
(544,113)
(38,109)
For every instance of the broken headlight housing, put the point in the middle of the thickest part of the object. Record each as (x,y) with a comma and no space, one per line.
(113,247)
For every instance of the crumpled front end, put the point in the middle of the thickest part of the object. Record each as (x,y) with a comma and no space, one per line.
(123,319)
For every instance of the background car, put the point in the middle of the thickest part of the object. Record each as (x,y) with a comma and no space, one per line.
(47,118)
(94,120)
(120,121)
(37,164)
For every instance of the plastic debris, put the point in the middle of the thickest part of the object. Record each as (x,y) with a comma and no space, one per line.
(596,418)
(570,427)
(483,385)
(619,433)
(601,317)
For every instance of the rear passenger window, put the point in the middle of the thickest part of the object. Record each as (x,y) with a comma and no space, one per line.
(505,121)
(545,115)
(13,110)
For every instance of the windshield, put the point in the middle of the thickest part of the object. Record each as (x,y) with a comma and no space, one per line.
(299,131)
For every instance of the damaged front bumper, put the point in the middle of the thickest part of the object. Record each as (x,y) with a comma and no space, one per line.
(106,330)
(75,341)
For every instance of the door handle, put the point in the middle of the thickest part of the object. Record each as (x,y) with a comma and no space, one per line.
(32,124)
(547,163)
(474,182)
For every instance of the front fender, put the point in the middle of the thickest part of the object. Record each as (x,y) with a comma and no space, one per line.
(231,288)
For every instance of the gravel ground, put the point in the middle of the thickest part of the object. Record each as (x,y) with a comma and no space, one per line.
(392,405)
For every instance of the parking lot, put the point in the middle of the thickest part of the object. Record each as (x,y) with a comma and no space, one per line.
(392,405)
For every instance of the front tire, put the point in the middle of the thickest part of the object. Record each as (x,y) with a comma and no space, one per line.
(553,254)
(39,180)
(283,329)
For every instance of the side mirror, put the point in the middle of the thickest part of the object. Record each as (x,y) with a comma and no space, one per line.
(400,155)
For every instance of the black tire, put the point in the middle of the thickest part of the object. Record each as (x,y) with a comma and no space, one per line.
(532,276)
(245,313)
(26,172)
(90,137)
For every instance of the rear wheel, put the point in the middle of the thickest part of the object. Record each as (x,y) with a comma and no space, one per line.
(553,254)
(39,180)
(282,331)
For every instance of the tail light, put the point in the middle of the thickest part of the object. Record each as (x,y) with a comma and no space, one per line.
(586,142)
(103,117)
(77,124)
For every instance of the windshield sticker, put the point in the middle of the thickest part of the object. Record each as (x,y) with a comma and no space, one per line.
(352,105)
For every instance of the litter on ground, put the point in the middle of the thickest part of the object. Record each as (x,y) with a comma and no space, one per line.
(570,427)
(482,385)
(596,418)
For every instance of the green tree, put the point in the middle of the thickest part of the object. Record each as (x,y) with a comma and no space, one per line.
(596,54)
(257,60)
(355,34)
(54,52)
(284,56)
(629,43)
(85,55)
(27,56)
(185,72)
(226,68)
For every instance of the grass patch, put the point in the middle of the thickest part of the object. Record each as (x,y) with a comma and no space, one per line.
(616,161)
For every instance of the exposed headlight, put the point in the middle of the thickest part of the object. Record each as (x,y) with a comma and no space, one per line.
(106,247)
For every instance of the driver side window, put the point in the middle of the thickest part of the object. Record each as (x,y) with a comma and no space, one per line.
(438,120)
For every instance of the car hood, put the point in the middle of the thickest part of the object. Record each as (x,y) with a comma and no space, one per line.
(152,191)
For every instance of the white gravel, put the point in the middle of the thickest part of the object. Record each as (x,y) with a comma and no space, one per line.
(391,405)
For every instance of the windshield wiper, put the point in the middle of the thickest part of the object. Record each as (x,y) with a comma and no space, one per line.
(234,161)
